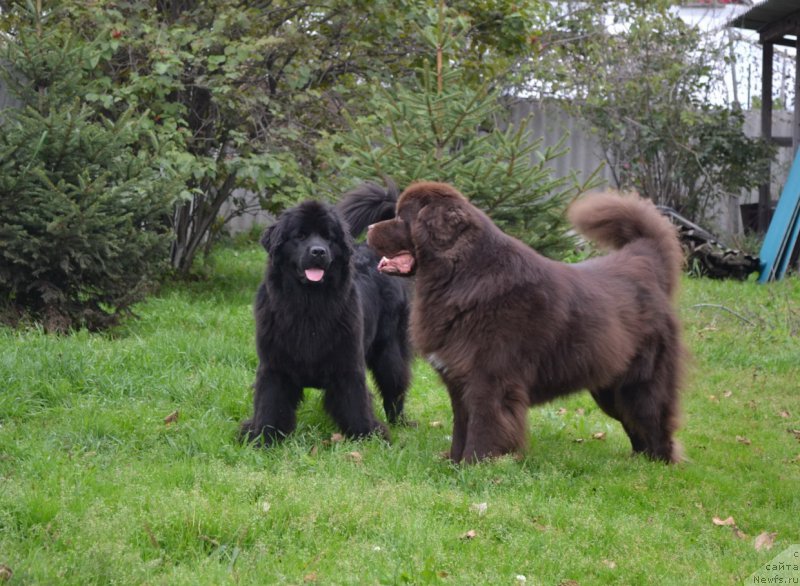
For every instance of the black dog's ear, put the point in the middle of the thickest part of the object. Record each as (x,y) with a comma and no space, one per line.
(442,223)
(340,235)
(272,237)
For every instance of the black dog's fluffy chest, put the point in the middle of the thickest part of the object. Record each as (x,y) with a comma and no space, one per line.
(309,342)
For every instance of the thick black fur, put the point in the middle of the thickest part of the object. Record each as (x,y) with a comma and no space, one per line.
(368,204)
(325,334)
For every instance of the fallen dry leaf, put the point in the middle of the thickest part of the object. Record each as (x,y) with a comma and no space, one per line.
(610,564)
(784,414)
(764,541)
(569,583)
(436,424)
(729,522)
(471,534)
(578,440)
(336,438)
(561,411)
(5,573)
(713,398)
(727,394)
(795,432)
(313,451)
(355,457)
(210,540)
(151,536)
(171,418)
(600,435)
(580,411)
(538,525)
(312,577)
(743,440)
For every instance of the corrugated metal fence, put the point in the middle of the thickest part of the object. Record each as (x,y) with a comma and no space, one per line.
(548,121)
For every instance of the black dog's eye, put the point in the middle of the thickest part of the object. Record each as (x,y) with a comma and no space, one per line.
(302,235)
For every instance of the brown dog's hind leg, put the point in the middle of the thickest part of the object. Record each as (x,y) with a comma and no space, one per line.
(607,399)
(649,415)
(647,403)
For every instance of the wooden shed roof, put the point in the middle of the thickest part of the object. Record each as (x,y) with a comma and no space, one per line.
(774,20)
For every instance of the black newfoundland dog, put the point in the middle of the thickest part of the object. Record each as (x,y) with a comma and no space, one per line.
(507,328)
(324,313)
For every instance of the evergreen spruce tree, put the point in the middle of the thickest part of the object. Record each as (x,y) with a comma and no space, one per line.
(436,127)
(83,218)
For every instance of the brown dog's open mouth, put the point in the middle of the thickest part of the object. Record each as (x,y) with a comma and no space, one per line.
(401,263)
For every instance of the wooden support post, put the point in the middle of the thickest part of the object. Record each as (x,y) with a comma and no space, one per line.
(796,125)
(764,197)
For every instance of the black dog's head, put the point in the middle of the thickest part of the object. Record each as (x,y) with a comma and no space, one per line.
(310,245)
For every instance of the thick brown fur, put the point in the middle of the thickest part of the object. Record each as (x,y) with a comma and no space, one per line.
(507,328)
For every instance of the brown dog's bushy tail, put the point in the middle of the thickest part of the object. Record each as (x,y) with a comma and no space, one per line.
(613,220)
(367,204)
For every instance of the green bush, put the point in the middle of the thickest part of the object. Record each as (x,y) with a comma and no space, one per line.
(83,220)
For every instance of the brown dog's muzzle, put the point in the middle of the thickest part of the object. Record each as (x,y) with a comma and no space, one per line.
(392,241)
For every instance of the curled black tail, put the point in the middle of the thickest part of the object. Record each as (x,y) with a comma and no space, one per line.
(367,204)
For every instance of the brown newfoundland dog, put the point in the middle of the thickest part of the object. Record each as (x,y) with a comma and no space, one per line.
(507,328)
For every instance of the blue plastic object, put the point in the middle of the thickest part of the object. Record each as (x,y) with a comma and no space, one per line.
(781,237)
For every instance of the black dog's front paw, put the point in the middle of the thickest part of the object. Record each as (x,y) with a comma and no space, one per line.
(403,421)
(382,431)
(247,432)
(264,436)
(377,428)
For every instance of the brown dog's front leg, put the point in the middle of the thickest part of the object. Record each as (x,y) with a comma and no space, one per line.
(460,420)
(496,422)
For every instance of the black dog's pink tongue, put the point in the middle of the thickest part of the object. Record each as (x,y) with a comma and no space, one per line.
(314,274)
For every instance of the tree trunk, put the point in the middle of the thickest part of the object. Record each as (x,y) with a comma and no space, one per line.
(193,220)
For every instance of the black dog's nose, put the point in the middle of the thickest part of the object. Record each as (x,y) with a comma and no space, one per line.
(318,252)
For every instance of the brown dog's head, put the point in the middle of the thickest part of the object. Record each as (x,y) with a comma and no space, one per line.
(431,218)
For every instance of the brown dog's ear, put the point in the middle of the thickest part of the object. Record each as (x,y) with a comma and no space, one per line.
(440,224)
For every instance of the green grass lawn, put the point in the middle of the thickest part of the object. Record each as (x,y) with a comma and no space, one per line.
(95,487)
